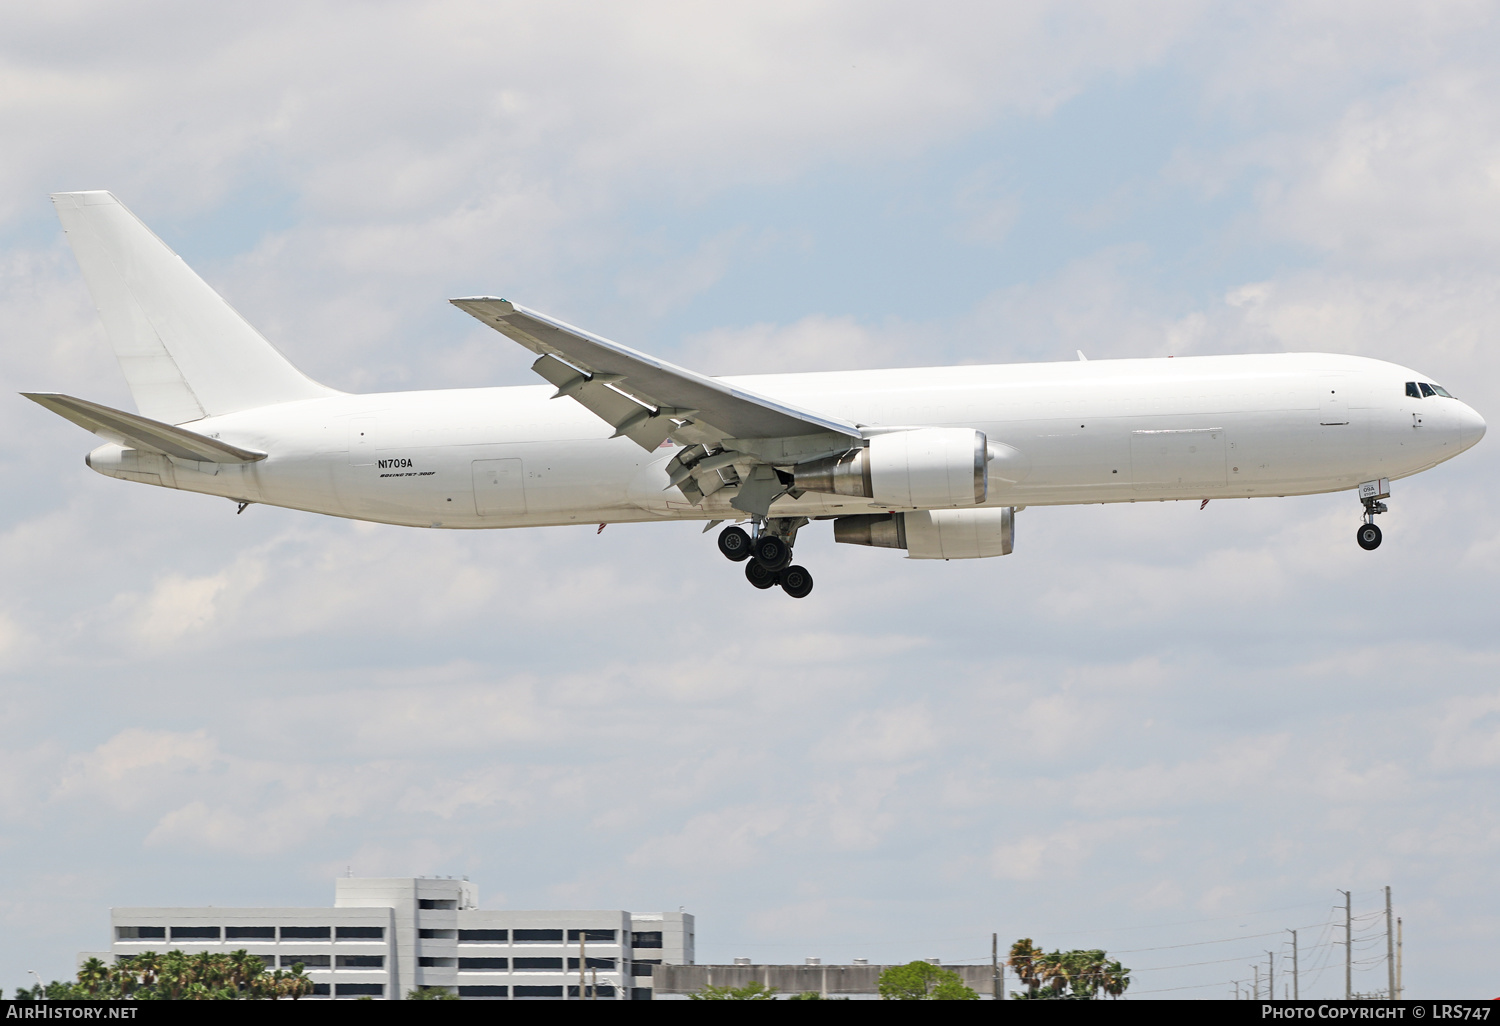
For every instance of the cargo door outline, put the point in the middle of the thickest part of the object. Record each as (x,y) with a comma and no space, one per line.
(1179,458)
(499,487)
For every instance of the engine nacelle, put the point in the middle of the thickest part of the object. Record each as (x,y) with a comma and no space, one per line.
(934,533)
(928,467)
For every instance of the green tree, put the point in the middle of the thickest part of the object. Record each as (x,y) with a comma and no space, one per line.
(923,981)
(431,994)
(1080,975)
(1025,959)
(177,976)
(752,991)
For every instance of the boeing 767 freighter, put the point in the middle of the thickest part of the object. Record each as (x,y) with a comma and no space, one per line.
(933,460)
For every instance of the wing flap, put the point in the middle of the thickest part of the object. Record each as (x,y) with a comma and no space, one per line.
(585,367)
(137,432)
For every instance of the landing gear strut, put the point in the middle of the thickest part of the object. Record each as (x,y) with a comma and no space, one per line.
(768,555)
(1370,493)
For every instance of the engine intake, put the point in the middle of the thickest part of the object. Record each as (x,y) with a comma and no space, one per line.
(934,533)
(925,467)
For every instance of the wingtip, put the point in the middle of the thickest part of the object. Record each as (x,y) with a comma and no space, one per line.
(482,299)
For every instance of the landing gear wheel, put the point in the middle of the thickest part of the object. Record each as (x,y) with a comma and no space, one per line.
(760,577)
(734,543)
(1368,537)
(771,552)
(796,581)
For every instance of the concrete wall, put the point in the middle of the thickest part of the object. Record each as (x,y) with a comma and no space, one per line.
(799,979)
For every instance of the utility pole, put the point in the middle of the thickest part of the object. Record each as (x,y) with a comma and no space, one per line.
(1400,983)
(1256,967)
(995,965)
(1296,984)
(582,961)
(1271,977)
(1390,949)
(1348,948)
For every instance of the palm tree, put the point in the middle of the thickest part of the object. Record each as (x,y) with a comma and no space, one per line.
(245,970)
(1116,978)
(293,984)
(93,975)
(1023,959)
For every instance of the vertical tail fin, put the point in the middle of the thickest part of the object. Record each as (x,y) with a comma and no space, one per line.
(185,352)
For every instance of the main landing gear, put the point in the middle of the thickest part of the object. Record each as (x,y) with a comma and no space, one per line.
(1370,493)
(768,555)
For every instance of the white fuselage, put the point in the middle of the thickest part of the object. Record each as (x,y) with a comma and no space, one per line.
(1101,431)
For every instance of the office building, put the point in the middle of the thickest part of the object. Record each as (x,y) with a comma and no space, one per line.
(385,937)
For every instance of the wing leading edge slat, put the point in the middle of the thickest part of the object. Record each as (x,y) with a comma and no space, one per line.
(638,395)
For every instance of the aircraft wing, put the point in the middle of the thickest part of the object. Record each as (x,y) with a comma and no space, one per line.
(137,432)
(641,397)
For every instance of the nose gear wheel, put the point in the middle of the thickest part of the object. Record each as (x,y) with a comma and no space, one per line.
(1370,493)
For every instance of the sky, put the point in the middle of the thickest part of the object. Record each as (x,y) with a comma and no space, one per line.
(1168,732)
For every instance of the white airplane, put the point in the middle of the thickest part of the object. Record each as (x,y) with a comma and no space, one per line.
(933,460)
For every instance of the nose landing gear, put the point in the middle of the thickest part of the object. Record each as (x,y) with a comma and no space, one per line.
(1370,493)
(768,555)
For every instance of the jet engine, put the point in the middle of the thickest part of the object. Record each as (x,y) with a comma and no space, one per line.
(934,533)
(922,467)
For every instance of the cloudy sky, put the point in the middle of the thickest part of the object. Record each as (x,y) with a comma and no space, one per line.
(1165,732)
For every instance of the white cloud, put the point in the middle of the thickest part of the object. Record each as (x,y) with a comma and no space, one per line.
(1060,854)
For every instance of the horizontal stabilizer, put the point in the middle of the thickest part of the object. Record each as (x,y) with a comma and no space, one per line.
(136,432)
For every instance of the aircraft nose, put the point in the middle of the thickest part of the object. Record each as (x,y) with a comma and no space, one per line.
(1471,427)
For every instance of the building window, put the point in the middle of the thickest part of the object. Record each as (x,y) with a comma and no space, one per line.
(359,989)
(361,933)
(593,936)
(477,964)
(268,960)
(439,934)
(305,932)
(307,961)
(603,990)
(140,933)
(640,993)
(483,992)
(539,992)
(437,903)
(643,966)
(594,963)
(195,933)
(249,933)
(523,936)
(320,990)
(528,963)
(490,936)
(646,939)
(361,962)
(432,962)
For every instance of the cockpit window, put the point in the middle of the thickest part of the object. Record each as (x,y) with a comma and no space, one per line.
(1440,390)
(1426,389)
(1411,390)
